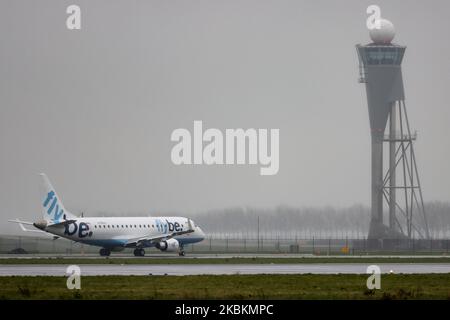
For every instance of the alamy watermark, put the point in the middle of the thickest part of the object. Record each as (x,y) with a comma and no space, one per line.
(374,280)
(236,146)
(374,19)
(73,21)
(74,279)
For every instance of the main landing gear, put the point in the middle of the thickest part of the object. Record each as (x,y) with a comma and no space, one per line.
(139,252)
(181,253)
(105,252)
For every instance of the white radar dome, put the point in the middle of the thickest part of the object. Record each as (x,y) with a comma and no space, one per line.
(385,34)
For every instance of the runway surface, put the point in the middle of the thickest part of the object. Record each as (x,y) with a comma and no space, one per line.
(217,269)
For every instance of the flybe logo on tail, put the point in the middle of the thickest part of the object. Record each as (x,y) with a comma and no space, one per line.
(51,203)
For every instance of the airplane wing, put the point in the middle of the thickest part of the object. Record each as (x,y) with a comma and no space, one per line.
(136,242)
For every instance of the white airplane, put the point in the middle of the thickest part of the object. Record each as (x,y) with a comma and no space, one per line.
(113,233)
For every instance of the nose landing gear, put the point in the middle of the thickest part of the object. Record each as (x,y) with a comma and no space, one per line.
(139,252)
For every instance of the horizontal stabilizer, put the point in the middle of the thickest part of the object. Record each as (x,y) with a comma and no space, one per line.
(22,223)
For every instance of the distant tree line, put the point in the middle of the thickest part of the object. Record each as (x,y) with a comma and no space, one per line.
(326,221)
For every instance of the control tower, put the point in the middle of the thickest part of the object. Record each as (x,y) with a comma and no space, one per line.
(398,188)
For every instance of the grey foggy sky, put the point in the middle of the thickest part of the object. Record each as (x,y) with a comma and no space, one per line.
(95,108)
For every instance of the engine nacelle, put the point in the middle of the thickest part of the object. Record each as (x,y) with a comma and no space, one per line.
(168,245)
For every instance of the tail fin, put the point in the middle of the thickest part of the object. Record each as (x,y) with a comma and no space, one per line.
(53,209)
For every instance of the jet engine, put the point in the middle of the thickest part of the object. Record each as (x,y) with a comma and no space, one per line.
(168,245)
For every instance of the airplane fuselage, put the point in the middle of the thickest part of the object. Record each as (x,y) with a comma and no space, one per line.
(116,232)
